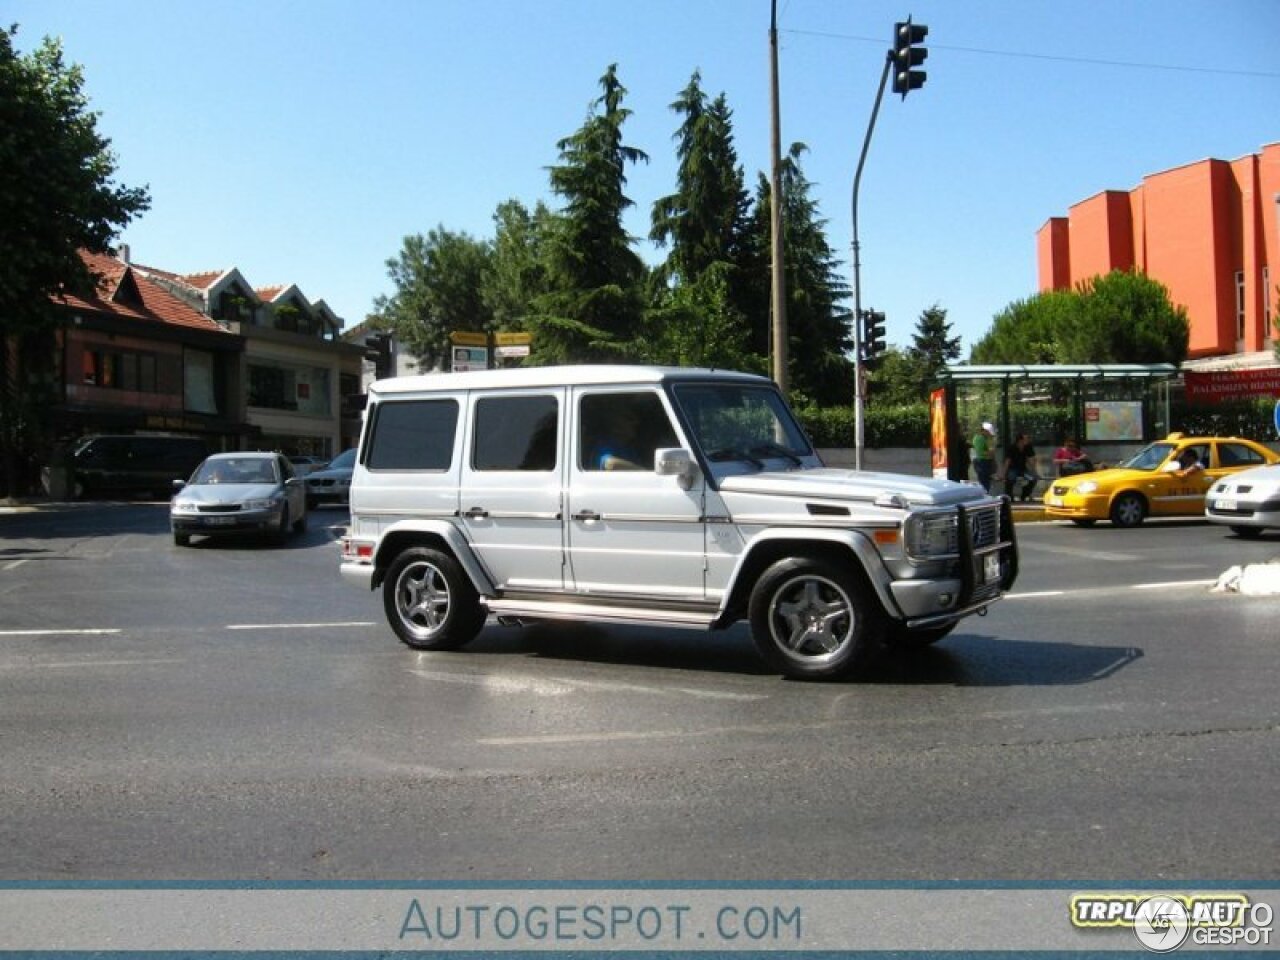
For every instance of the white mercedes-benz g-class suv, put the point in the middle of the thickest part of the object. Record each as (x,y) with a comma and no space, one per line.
(674,497)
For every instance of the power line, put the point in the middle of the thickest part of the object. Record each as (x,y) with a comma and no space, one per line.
(1044,56)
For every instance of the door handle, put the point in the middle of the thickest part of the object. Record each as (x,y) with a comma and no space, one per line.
(476,513)
(586,516)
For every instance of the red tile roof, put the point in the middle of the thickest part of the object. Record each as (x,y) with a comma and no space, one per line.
(114,296)
(269,293)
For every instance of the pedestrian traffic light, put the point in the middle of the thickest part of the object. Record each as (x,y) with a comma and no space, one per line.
(872,339)
(907,56)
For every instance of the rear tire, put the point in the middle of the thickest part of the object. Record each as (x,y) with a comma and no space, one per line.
(430,602)
(1128,510)
(814,620)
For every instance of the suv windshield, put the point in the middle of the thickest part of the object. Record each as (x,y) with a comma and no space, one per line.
(741,422)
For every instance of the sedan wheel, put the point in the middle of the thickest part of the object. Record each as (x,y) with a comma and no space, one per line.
(1129,510)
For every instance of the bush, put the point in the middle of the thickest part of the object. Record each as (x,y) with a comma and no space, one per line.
(904,426)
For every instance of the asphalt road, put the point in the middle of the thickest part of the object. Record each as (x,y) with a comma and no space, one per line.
(236,711)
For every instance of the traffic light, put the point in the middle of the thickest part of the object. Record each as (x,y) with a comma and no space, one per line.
(907,56)
(872,339)
(377,350)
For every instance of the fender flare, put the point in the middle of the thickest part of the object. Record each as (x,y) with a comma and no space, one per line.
(855,541)
(429,532)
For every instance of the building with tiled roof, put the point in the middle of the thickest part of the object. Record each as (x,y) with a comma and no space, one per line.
(298,371)
(134,358)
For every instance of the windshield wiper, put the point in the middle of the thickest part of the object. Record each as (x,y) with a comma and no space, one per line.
(734,453)
(776,450)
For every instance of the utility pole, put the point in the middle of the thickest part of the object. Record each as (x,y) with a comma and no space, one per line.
(779,286)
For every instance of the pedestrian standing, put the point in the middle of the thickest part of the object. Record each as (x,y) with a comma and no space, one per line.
(983,455)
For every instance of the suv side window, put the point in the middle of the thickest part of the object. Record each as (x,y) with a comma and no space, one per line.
(412,435)
(516,433)
(621,431)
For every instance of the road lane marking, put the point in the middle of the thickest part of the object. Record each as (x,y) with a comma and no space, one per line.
(300,626)
(14,564)
(68,632)
(1080,552)
(1032,596)
(63,664)
(1172,583)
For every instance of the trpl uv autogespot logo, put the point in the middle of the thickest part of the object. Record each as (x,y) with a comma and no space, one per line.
(1163,922)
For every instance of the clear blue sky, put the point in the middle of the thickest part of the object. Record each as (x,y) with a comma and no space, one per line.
(302,140)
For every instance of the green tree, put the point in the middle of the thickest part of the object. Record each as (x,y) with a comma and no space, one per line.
(438,281)
(1123,317)
(58,196)
(933,345)
(704,220)
(594,309)
(818,331)
(518,270)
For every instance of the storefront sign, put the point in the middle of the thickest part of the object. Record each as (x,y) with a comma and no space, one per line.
(1217,385)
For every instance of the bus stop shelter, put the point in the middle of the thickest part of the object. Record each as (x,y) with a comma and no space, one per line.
(967,395)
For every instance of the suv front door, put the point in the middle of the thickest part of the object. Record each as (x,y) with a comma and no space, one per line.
(630,532)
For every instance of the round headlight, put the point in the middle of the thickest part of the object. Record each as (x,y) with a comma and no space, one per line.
(1088,486)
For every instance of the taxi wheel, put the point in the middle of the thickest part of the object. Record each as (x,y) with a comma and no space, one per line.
(1128,510)
(1083,521)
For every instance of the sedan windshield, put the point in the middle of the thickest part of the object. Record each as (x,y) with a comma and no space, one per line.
(1149,457)
(257,470)
(741,422)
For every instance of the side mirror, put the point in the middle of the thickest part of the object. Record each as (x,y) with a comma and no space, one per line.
(676,462)
(178,485)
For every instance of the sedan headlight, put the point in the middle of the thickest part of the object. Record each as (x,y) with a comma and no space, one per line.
(1086,486)
(268,504)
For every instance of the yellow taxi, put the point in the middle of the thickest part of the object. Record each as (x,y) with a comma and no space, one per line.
(1162,480)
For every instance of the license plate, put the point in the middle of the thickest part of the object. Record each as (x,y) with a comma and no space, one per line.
(1226,505)
(218,521)
(990,567)
(1053,501)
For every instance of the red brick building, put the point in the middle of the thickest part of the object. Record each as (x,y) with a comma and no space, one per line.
(1209,231)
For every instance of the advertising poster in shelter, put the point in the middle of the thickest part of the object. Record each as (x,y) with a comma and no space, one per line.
(938,432)
(1107,421)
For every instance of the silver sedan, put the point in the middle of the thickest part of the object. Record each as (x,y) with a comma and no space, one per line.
(1248,502)
(246,492)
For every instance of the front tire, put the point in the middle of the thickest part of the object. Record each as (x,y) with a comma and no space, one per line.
(814,620)
(1083,521)
(1128,510)
(430,602)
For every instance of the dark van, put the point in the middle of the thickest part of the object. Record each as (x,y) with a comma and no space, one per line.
(133,464)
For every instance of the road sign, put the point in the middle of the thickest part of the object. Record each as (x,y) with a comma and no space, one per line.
(463,338)
(513,340)
(470,358)
(517,350)
(1278,418)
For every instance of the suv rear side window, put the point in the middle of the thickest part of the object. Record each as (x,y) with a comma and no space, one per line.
(413,435)
(516,433)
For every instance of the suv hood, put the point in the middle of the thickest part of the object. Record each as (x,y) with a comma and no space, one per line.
(830,483)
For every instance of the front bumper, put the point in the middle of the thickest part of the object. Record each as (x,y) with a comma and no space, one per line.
(212,524)
(986,571)
(1076,507)
(1243,513)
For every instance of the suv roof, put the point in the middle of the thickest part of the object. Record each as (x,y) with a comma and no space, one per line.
(593,374)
